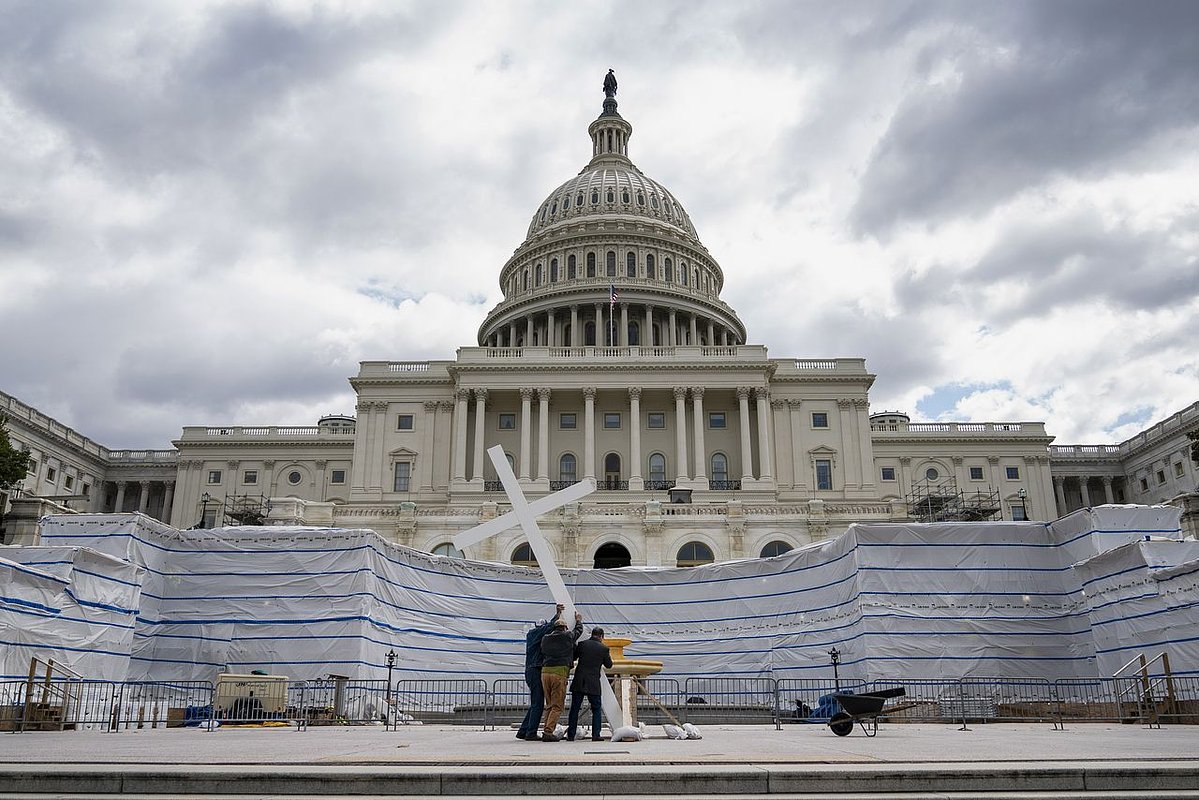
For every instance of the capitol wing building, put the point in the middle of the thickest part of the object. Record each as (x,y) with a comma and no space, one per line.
(611,357)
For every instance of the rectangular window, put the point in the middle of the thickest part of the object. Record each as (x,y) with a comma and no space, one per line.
(33,466)
(1144,485)
(1177,469)
(655,419)
(403,475)
(1019,512)
(87,490)
(1013,473)
(337,476)
(824,474)
(250,477)
(611,420)
(1161,476)
(567,421)
(716,419)
(888,473)
(68,481)
(819,419)
(214,476)
(976,473)
(404,422)
(507,422)
(51,474)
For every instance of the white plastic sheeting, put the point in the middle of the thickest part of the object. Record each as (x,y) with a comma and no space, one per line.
(911,600)
(70,604)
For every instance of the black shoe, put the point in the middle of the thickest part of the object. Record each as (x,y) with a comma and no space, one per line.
(520,735)
(549,737)
(597,738)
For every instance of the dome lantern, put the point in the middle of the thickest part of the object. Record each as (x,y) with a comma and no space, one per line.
(610,132)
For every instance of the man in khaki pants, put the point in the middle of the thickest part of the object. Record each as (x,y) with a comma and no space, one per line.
(558,647)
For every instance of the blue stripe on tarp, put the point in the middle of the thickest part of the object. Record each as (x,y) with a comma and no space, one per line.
(88,650)
(17,567)
(1141,645)
(136,585)
(104,606)
(29,604)
(922,568)
(1134,568)
(979,593)
(1170,610)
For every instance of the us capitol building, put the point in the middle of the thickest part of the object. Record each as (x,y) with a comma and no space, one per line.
(610,357)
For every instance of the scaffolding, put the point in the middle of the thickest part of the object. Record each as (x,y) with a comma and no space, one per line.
(943,501)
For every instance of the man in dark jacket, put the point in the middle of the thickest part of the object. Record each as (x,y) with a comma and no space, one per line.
(558,647)
(592,654)
(533,662)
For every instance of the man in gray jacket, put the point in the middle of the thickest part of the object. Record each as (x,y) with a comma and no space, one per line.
(558,647)
(592,654)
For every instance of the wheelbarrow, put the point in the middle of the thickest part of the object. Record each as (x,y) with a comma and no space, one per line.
(864,709)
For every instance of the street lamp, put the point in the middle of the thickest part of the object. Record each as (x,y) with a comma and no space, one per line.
(835,655)
(1023,495)
(391,662)
(204,498)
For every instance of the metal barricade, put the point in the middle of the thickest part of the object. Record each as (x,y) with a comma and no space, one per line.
(339,701)
(799,698)
(445,701)
(927,699)
(509,702)
(1087,700)
(664,693)
(1010,699)
(726,701)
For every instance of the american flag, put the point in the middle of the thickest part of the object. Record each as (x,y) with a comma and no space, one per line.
(612,294)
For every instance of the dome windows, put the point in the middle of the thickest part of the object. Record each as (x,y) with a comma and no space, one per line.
(594,196)
(579,200)
(565,203)
(649,266)
(653,202)
(554,208)
(591,265)
(683,274)
(553,270)
(631,264)
(571,268)
(611,196)
(610,263)
(640,199)
(667,270)
(537,276)
(624,197)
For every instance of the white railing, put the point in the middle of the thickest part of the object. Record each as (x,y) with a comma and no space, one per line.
(960,428)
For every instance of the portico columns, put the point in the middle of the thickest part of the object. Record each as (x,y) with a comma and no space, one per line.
(574,327)
(529,331)
(747,456)
(635,482)
(1085,490)
(648,337)
(543,435)
(480,425)
(624,325)
(120,502)
(680,428)
(460,398)
(1059,494)
(1107,488)
(589,432)
(711,334)
(526,432)
(512,333)
(551,337)
(673,340)
(694,332)
(697,408)
(168,500)
(764,471)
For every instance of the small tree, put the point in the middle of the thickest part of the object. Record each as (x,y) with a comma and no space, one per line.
(14,463)
(1194,437)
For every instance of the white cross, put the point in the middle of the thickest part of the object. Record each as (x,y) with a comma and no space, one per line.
(525,514)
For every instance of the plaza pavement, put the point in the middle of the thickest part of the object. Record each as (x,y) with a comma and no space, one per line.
(923,760)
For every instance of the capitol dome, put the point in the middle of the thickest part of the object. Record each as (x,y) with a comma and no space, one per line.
(611,259)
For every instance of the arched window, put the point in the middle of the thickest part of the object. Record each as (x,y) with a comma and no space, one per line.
(523,556)
(447,549)
(567,468)
(634,334)
(571,270)
(565,203)
(657,468)
(683,273)
(553,270)
(624,197)
(579,200)
(695,283)
(720,467)
(630,264)
(594,196)
(667,270)
(612,470)
(649,266)
(692,554)
(554,208)
(525,280)
(640,199)
(773,549)
(612,555)
(591,265)
(653,201)
(610,263)
(611,196)
(537,276)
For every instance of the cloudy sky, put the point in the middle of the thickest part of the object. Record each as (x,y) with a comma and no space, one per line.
(210,212)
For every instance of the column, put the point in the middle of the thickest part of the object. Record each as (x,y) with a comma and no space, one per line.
(376,454)
(526,431)
(168,501)
(799,474)
(589,432)
(624,324)
(636,483)
(428,422)
(120,502)
(480,423)
(1085,490)
(143,496)
(680,435)
(1107,488)
(551,338)
(460,399)
(600,334)
(694,332)
(512,333)
(647,338)
(849,471)
(701,452)
(575,338)
(711,333)
(529,331)
(321,483)
(543,434)
(671,340)
(765,473)
(866,443)
(747,456)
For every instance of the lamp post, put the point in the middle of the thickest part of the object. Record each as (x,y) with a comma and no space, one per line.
(835,655)
(204,498)
(391,662)
(1023,495)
